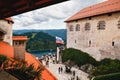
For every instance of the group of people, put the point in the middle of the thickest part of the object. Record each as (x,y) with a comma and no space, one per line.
(48,58)
(51,58)
(74,76)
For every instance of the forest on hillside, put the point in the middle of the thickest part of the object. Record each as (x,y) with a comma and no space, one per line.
(39,41)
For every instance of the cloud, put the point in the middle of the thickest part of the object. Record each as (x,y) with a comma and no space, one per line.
(51,17)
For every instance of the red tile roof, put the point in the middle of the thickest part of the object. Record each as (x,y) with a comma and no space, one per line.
(46,75)
(6,49)
(16,38)
(98,9)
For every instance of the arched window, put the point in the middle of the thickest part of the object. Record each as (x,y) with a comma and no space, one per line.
(87,26)
(119,24)
(101,25)
(77,27)
(71,28)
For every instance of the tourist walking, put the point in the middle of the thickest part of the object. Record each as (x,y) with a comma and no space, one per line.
(59,70)
(73,73)
(77,78)
(47,63)
(72,78)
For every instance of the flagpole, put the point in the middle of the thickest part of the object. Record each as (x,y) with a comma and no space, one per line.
(59,43)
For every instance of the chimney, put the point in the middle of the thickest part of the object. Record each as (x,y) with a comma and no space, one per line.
(19,44)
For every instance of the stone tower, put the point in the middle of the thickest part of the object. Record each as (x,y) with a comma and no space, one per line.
(19,44)
(6,30)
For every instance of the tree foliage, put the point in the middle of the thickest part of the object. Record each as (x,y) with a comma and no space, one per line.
(107,66)
(23,71)
(78,57)
(105,69)
(2,59)
(113,76)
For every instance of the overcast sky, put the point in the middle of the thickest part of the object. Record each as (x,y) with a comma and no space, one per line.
(51,17)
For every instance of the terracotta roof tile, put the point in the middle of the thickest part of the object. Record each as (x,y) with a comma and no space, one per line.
(9,19)
(98,9)
(46,75)
(6,49)
(15,38)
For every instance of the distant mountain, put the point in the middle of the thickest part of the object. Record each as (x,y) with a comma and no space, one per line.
(39,41)
(54,32)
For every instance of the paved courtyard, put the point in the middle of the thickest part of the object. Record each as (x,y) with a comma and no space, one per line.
(53,68)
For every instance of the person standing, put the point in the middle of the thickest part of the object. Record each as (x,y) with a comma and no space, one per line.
(73,73)
(47,63)
(59,70)
(77,78)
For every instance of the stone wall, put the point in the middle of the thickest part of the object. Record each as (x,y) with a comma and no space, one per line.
(101,40)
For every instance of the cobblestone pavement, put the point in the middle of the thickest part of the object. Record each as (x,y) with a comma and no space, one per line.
(53,68)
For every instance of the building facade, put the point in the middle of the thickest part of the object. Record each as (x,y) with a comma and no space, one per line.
(96,30)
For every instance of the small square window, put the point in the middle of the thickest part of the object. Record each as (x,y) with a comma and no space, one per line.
(109,14)
(90,18)
(89,43)
(113,43)
(75,41)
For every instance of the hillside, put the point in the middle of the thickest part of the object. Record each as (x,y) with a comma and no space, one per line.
(39,41)
(54,32)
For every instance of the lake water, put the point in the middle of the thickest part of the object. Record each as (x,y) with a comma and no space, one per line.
(40,53)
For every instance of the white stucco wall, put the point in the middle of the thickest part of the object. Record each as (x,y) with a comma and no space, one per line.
(101,40)
(7,27)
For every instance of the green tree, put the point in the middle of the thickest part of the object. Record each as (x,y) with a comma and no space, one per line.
(2,59)
(78,57)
